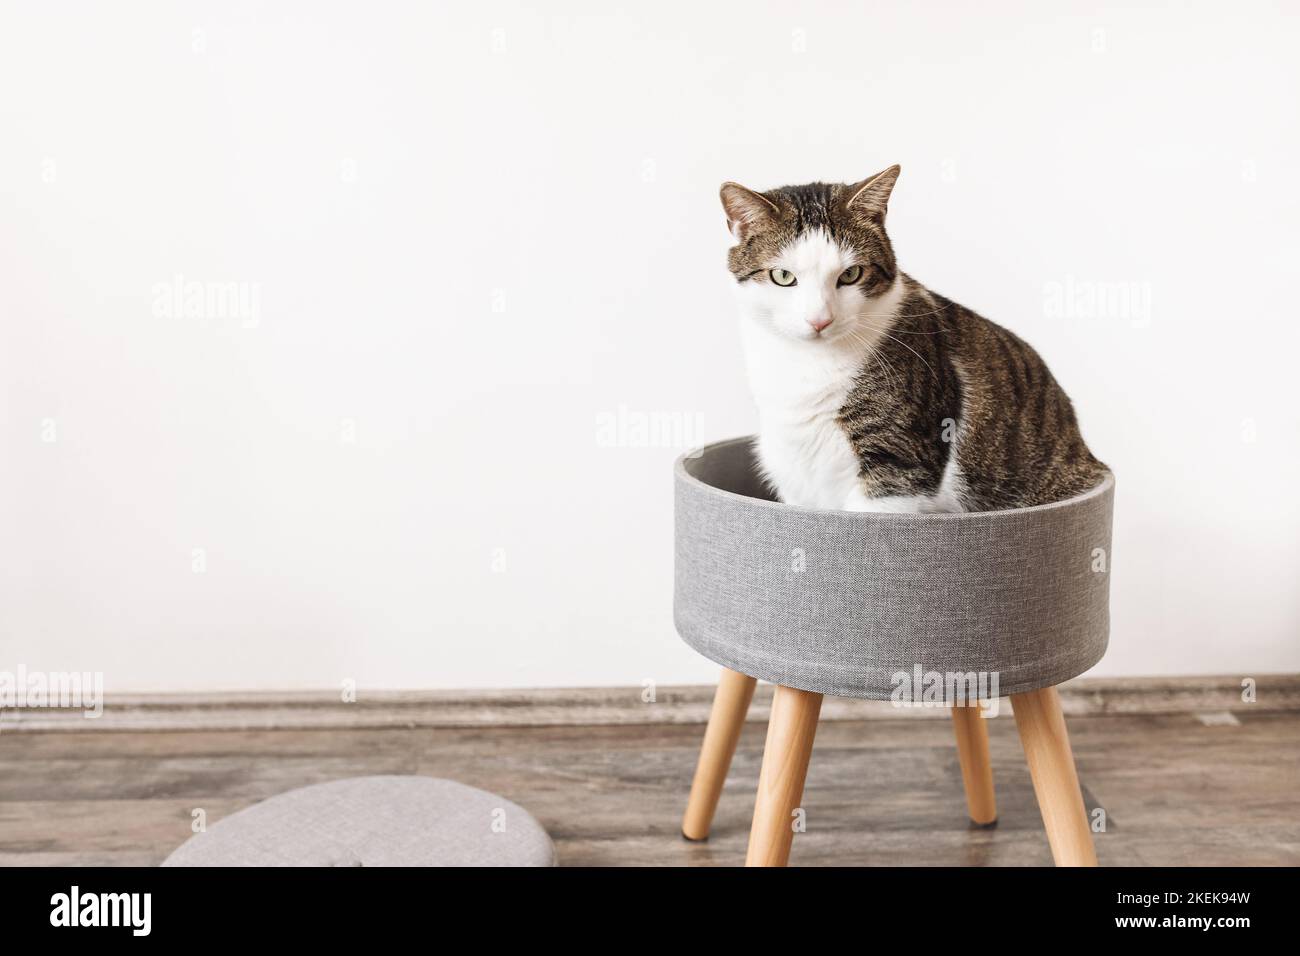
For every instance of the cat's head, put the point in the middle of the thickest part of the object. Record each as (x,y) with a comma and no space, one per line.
(812,263)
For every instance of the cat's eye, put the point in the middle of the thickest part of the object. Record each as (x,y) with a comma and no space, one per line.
(850,275)
(782,278)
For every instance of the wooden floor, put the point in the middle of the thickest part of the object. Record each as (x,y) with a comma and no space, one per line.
(1181,790)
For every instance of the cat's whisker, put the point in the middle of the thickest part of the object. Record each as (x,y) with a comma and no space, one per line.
(894,374)
(910,349)
(891,373)
(916,315)
(907,332)
(904,315)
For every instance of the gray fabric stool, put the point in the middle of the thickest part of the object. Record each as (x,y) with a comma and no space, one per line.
(374,821)
(948,609)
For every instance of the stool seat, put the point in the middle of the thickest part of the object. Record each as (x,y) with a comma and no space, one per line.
(374,821)
(842,603)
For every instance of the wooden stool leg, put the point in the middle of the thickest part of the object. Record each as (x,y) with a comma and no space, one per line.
(730,705)
(790,734)
(1056,784)
(976,768)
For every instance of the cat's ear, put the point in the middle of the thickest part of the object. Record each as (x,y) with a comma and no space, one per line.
(870,198)
(746,210)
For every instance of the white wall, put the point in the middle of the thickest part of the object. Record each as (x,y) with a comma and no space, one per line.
(473,229)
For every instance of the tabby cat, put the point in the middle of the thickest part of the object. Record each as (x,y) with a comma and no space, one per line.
(874,393)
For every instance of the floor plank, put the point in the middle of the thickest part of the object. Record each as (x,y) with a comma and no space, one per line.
(1175,789)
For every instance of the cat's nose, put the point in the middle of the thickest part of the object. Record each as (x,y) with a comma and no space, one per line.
(820,322)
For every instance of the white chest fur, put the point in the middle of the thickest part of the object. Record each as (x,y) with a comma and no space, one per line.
(799,389)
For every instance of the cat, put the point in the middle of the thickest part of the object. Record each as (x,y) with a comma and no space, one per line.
(875,393)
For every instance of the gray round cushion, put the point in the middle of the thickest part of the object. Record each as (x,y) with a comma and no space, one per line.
(844,603)
(374,821)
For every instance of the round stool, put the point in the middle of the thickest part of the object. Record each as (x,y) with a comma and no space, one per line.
(374,821)
(942,609)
